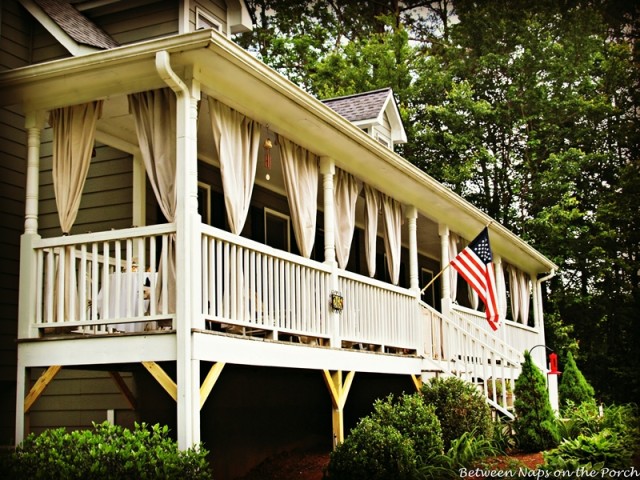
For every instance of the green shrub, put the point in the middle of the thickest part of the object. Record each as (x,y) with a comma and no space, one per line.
(106,452)
(605,449)
(535,424)
(414,420)
(573,386)
(465,452)
(373,452)
(389,443)
(460,407)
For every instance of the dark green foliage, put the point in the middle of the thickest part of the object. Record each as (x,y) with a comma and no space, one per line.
(605,449)
(389,443)
(535,423)
(106,452)
(465,452)
(373,452)
(460,407)
(573,386)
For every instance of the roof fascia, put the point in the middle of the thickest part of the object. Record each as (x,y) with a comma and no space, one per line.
(73,47)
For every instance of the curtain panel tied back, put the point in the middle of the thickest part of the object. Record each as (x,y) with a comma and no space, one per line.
(237,143)
(74,132)
(392,210)
(300,171)
(346,195)
(154,113)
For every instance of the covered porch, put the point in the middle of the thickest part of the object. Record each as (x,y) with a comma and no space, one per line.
(218,293)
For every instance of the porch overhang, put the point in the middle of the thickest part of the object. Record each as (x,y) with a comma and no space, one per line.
(231,74)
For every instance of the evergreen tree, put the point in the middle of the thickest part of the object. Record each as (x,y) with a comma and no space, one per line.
(573,386)
(535,424)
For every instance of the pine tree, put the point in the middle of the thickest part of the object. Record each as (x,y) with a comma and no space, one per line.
(573,386)
(535,424)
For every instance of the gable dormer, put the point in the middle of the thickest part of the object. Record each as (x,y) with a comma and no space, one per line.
(375,112)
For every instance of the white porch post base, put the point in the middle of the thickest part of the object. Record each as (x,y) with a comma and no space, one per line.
(554,398)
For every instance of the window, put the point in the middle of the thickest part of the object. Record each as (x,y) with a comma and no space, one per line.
(204,20)
(276,230)
(384,140)
(204,202)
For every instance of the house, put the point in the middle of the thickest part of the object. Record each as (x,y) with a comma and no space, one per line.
(191,239)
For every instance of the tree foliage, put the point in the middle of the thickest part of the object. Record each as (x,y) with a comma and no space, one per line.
(574,388)
(535,424)
(529,109)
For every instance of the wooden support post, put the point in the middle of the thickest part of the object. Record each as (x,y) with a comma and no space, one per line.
(417,381)
(210,381)
(37,389)
(163,379)
(124,388)
(339,392)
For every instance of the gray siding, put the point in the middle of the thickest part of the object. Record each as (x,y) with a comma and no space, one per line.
(76,398)
(15,28)
(107,196)
(217,10)
(139,21)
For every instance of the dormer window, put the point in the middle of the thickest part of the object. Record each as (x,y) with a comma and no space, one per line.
(384,140)
(204,20)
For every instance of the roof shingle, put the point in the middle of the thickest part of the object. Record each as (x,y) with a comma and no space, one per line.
(361,106)
(76,25)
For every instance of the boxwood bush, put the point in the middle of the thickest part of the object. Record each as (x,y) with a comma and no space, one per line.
(460,407)
(391,443)
(105,452)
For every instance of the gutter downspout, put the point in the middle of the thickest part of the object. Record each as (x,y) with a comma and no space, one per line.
(538,292)
(188,263)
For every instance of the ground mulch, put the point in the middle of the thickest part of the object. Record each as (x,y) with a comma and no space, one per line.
(304,465)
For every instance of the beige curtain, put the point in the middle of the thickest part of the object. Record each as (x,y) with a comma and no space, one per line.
(392,214)
(237,141)
(520,290)
(74,131)
(372,207)
(514,291)
(300,172)
(525,296)
(453,274)
(154,113)
(347,190)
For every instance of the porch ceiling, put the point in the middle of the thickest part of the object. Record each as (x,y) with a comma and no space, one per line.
(232,75)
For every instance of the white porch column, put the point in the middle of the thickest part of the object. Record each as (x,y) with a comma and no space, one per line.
(443,231)
(554,398)
(188,253)
(328,170)
(412,225)
(27,293)
(535,288)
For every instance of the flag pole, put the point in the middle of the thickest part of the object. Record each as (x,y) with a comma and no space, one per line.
(434,278)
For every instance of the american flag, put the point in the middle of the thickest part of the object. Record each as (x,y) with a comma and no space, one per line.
(475,264)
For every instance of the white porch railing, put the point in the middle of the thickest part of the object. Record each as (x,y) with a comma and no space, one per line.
(476,323)
(101,282)
(378,314)
(493,368)
(249,286)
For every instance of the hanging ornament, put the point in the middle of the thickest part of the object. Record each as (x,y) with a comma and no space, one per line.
(267,153)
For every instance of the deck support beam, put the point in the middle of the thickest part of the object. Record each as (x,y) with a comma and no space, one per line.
(417,382)
(45,379)
(124,388)
(339,392)
(163,379)
(209,382)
